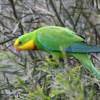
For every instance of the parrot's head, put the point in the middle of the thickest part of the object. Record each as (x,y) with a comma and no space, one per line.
(25,42)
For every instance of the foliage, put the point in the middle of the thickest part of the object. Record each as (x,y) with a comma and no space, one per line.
(53,81)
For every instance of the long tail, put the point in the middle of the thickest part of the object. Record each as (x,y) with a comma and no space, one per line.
(82,48)
(87,63)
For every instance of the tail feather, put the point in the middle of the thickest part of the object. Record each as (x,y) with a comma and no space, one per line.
(83,48)
(87,63)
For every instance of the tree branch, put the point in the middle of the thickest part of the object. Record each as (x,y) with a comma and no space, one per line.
(56,12)
(15,15)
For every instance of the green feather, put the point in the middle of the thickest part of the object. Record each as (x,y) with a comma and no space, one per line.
(87,63)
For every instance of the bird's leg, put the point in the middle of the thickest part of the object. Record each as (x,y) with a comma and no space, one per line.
(51,57)
(61,60)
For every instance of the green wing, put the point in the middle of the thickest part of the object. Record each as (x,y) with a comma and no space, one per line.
(54,38)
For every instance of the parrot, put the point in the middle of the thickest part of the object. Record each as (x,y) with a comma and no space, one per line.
(54,39)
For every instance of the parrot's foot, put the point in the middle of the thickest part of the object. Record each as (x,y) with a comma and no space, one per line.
(61,60)
(50,56)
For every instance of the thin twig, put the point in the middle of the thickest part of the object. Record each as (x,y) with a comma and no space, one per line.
(56,12)
(15,14)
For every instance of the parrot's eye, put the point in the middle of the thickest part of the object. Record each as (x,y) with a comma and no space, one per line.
(20,43)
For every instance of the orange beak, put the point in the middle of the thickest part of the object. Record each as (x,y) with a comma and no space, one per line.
(18,50)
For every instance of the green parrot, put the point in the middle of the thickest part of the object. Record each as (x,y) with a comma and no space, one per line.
(54,39)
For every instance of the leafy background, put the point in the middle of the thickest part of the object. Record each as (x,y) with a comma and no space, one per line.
(32,75)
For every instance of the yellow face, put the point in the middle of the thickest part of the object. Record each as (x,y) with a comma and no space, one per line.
(24,43)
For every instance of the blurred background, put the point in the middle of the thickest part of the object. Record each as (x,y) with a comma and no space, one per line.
(28,75)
